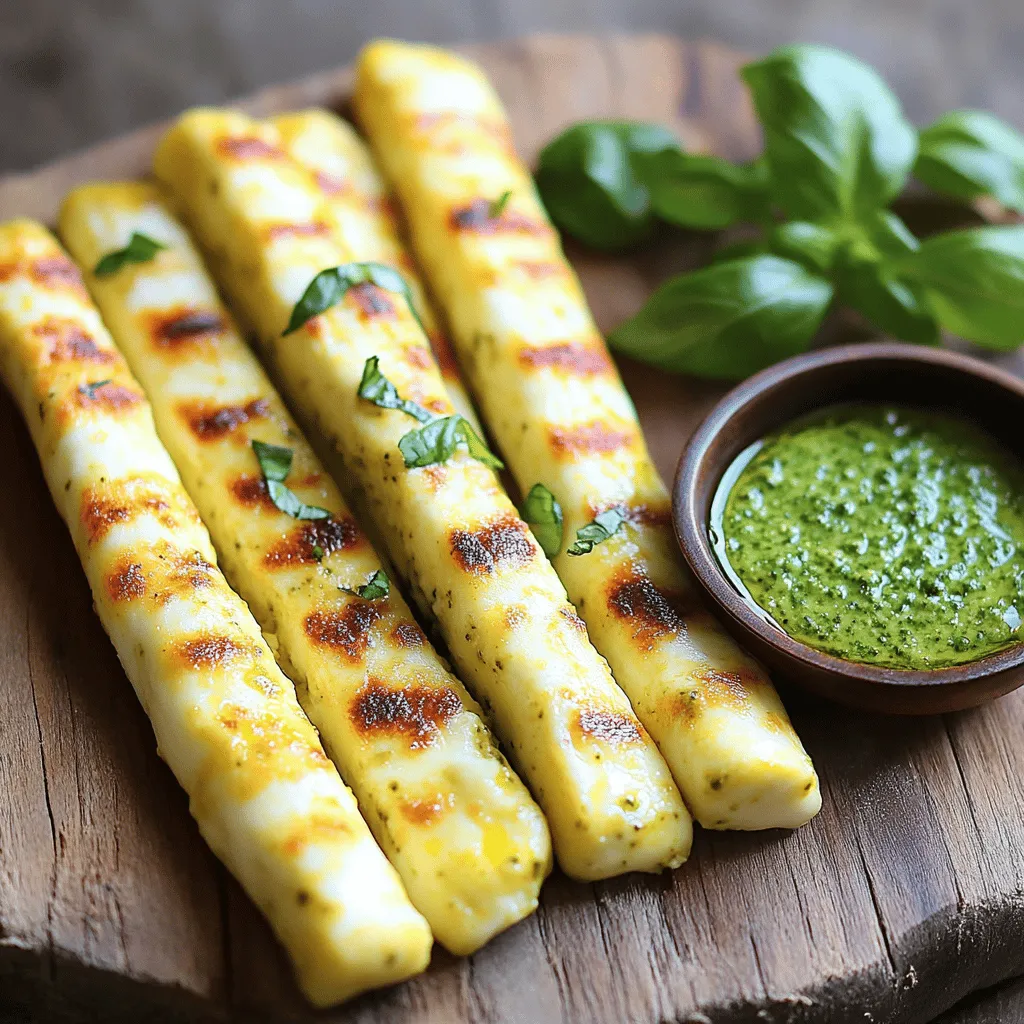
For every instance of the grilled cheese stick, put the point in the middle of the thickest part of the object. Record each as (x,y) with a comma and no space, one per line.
(469,842)
(562,418)
(363,213)
(266,798)
(470,560)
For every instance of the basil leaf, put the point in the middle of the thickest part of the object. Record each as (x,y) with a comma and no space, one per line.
(590,186)
(318,552)
(497,207)
(899,307)
(596,532)
(140,249)
(813,245)
(704,192)
(89,389)
(836,141)
(975,282)
(438,440)
(275,465)
(969,154)
(728,320)
(376,587)
(544,516)
(329,287)
(376,388)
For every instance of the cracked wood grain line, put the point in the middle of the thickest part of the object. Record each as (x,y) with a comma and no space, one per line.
(904,895)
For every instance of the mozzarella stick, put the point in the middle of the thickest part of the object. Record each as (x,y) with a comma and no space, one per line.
(468,840)
(363,212)
(563,419)
(450,529)
(266,798)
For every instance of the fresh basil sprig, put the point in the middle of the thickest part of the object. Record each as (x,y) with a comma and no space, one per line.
(438,441)
(140,249)
(969,154)
(329,287)
(275,465)
(543,514)
(376,388)
(376,587)
(603,526)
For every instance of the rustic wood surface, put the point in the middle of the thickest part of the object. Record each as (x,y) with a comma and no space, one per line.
(903,896)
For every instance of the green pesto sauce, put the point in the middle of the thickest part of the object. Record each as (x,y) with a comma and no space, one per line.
(883,535)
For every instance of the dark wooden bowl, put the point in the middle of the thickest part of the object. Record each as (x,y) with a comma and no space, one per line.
(903,374)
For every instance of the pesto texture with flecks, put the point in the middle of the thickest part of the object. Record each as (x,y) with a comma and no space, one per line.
(893,537)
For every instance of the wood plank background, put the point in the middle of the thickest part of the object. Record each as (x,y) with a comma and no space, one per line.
(904,895)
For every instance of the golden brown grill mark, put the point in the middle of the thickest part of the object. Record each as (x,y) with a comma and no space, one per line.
(330,184)
(242,147)
(540,270)
(372,301)
(584,359)
(213,649)
(58,272)
(476,217)
(426,811)
(102,511)
(187,573)
(185,325)
(587,439)
(210,423)
(250,490)
(418,356)
(408,634)
(348,631)
(502,543)
(613,727)
(417,713)
(108,397)
(438,121)
(714,688)
(316,229)
(126,582)
(329,535)
(650,612)
(67,342)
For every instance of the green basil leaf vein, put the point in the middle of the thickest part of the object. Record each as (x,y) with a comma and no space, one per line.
(543,514)
(603,526)
(376,587)
(140,249)
(438,441)
(896,305)
(275,465)
(376,388)
(329,287)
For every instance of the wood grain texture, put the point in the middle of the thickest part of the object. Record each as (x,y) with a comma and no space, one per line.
(904,895)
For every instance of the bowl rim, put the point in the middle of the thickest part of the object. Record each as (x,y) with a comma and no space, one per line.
(689,521)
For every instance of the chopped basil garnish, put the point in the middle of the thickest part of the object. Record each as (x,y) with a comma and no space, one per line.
(376,388)
(328,288)
(90,389)
(140,249)
(318,552)
(603,526)
(275,465)
(544,516)
(498,205)
(377,586)
(438,440)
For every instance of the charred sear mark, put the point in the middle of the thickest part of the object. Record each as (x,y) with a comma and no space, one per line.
(213,649)
(408,634)
(66,342)
(211,424)
(614,727)
(126,582)
(315,229)
(58,272)
(348,631)
(327,535)
(651,613)
(588,438)
(658,514)
(250,490)
(582,359)
(106,506)
(186,325)
(504,543)
(108,397)
(330,184)
(418,713)
(372,301)
(244,147)
(476,217)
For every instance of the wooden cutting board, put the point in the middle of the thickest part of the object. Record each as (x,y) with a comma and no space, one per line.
(906,893)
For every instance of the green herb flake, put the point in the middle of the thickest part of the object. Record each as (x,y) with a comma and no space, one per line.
(140,249)
(318,552)
(275,465)
(329,287)
(376,587)
(376,388)
(438,440)
(544,516)
(497,207)
(596,532)
(90,389)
